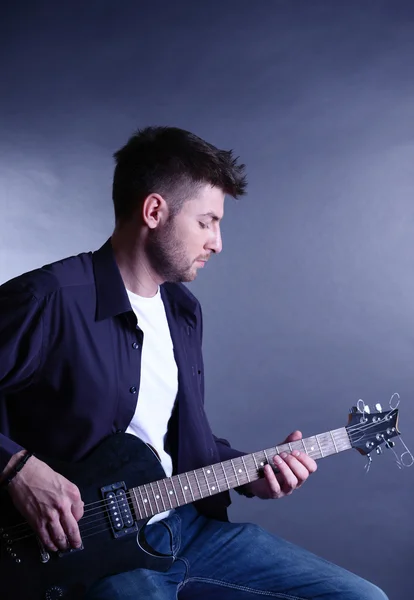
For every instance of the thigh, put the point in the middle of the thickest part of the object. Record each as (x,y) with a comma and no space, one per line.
(243,561)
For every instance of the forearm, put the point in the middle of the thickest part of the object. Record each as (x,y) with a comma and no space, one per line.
(11,466)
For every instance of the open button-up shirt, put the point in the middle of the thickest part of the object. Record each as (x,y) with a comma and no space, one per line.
(70,357)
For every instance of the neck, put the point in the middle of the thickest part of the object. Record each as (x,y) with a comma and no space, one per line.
(133,264)
(184,488)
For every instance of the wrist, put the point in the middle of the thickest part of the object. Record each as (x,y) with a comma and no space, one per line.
(14,466)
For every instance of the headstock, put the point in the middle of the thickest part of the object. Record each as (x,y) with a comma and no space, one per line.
(367,431)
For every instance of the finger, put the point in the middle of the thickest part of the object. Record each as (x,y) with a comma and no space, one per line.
(306,460)
(78,510)
(272,482)
(46,539)
(71,530)
(295,436)
(57,535)
(286,477)
(298,469)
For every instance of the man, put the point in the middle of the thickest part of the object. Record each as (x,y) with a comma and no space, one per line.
(111,341)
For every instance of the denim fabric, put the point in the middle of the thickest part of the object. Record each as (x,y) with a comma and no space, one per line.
(231,561)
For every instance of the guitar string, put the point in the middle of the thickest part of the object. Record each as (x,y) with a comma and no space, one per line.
(95,508)
(91,506)
(101,502)
(205,489)
(101,516)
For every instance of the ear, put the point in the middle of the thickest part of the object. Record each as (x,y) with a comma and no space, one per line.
(154,210)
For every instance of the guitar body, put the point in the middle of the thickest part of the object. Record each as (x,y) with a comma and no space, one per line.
(120,458)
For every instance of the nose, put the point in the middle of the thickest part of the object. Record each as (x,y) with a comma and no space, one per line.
(215,244)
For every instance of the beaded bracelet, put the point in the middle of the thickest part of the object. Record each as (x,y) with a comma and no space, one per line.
(16,469)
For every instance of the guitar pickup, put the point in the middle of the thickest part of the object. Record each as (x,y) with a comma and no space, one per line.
(118,509)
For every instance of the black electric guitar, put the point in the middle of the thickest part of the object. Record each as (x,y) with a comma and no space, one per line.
(122,484)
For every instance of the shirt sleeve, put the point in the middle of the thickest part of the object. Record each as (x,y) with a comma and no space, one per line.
(225,450)
(20,352)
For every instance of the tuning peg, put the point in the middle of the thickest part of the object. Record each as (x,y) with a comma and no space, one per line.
(378,407)
(390,444)
(367,409)
(379,450)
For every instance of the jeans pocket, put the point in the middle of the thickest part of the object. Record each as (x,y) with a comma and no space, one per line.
(173,525)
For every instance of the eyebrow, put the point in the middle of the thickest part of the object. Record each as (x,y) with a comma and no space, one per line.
(211,215)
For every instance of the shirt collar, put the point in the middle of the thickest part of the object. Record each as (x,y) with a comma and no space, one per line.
(112,297)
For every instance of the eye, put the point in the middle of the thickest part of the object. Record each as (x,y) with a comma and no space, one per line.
(203,225)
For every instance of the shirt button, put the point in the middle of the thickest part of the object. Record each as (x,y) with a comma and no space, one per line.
(133,389)
(135,346)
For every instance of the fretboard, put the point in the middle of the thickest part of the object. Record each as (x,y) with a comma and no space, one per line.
(171,492)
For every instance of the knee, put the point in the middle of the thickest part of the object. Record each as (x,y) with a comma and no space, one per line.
(368,591)
(378,594)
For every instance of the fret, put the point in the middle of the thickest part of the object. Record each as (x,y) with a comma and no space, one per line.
(173,489)
(149,499)
(242,470)
(168,494)
(198,484)
(225,476)
(162,498)
(333,440)
(311,441)
(137,503)
(255,462)
(317,440)
(205,477)
(215,477)
(245,469)
(235,472)
(267,458)
(142,498)
(155,496)
(342,434)
(304,446)
(290,447)
(177,489)
(189,487)
(182,489)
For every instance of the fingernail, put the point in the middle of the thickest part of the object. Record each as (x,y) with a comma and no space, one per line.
(296,453)
(277,459)
(284,454)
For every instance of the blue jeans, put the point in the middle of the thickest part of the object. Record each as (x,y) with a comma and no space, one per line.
(231,561)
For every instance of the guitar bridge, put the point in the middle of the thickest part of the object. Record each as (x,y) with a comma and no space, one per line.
(118,509)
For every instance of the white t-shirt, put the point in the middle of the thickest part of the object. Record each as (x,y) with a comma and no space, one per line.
(159,379)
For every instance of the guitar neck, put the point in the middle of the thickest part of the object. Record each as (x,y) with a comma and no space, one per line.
(171,492)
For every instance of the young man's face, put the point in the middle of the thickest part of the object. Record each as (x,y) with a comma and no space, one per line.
(182,246)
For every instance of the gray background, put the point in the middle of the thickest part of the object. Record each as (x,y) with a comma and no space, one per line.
(310,305)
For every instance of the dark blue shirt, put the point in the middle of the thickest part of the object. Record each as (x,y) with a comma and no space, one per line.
(70,359)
